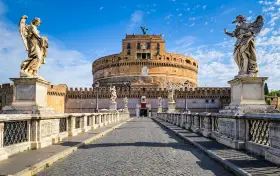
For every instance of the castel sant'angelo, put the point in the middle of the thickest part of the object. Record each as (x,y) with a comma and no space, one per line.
(144,62)
(141,72)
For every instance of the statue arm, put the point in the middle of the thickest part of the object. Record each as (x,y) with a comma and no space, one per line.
(35,32)
(229,34)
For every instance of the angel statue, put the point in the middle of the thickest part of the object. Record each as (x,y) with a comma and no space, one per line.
(159,102)
(170,93)
(35,45)
(125,100)
(113,94)
(144,30)
(245,51)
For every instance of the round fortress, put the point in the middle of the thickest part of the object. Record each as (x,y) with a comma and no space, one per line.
(144,62)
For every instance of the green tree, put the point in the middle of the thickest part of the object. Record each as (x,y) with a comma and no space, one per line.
(266,91)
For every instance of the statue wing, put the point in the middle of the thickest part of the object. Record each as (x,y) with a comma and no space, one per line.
(23,30)
(257,25)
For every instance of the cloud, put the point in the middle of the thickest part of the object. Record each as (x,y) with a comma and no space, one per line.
(204,7)
(136,19)
(265,31)
(63,66)
(228,11)
(101,8)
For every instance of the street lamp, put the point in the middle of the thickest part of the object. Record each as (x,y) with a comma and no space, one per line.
(96,85)
(186,84)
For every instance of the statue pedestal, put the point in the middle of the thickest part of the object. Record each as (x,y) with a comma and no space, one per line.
(171,107)
(29,97)
(113,106)
(159,109)
(247,96)
(125,109)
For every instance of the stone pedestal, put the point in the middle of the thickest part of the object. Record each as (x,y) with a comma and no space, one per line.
(171,107)
(247,96)
(29,97)
(159,109)
(113,106)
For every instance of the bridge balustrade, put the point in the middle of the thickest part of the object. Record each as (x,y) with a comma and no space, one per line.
(257,133)
(20,132)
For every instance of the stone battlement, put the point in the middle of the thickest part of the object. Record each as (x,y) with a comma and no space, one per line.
(137,92)
(57,90)
(6,88)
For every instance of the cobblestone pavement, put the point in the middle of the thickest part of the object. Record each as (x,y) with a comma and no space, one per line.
(139,147)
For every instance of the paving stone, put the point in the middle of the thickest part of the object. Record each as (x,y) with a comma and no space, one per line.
(139,147)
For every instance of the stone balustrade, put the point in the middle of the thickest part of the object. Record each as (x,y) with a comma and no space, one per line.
(257,133)
(20,132)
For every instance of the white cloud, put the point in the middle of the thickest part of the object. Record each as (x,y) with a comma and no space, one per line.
(63,66)
(180,14)
(265,31)
(135,20)
(204,7)
(277,2)
(101,8)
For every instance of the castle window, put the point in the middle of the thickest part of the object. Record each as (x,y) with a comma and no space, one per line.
(160,58)
(206,101)
(174,59)
(128,52)
(138,45)
(158,52)
(213,101)
(149,45)
(167,58)
(158,46)
(194,64)
(139,55)
(128,46)
(188,61)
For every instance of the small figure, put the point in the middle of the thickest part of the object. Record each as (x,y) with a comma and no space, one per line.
(144,30)
(113,94)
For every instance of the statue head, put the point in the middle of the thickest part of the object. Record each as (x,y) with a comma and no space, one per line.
(36,21)
(239,19)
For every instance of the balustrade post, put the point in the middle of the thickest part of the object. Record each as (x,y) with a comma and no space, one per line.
(3,153)
(35,134)
(1,135)
(207,125)
(273,153)
(196,123)
(188,121)
(183,120)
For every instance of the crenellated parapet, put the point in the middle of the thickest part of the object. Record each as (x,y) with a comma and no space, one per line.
(57,90)
(137,92)
(6,88)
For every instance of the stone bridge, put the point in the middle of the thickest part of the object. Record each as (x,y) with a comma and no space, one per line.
(113,143)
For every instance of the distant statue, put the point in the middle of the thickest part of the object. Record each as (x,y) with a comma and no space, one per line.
(125,100)
(144,30)
(113,94)
(245,51)
(35,45)
(159,102)
(170,93)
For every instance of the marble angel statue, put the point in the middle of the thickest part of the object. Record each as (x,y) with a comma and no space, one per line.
(35,45)
(245,51)
(159,102)
(170,93)
(113,94)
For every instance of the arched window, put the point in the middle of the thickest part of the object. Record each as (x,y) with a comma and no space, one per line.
(194,64)
(188,61)
(167,58)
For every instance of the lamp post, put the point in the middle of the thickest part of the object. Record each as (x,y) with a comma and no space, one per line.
(96,85)
(186,84)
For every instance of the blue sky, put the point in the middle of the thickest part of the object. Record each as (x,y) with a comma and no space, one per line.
(82,31)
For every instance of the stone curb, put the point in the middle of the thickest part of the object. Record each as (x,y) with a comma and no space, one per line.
(226,164)
(32,170)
